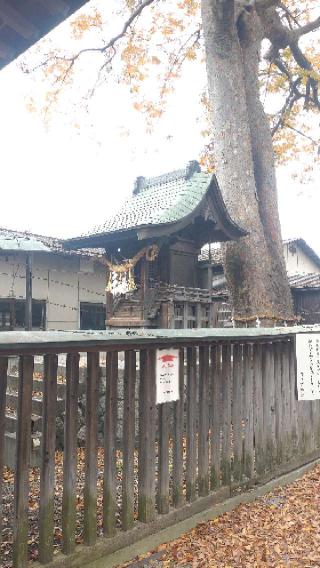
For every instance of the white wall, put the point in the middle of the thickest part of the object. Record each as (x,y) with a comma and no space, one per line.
(297,261)
(61,281)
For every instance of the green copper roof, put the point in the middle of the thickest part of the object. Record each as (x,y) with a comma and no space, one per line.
(162,200)
(164,205)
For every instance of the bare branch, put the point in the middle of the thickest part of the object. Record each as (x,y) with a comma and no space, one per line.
(291,99)
(301,133)
(282,37)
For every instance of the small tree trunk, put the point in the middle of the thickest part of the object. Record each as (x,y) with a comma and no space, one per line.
(248,264)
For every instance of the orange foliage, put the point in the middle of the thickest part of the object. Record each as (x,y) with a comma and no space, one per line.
(150,57)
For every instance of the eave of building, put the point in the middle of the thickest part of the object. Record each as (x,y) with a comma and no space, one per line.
(224,227)
(24,22)
(40,244)
(306,249)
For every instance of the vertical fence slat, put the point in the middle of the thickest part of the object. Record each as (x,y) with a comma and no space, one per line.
(203,421)
(3,390)
(293,396)
(290,387)
(163,484)
(128,440)
(269,404)
(146,481)
(216,415)
(20,536)
(47,476)
(191,462)
(226,415)
(285,381)
(278,400)
(248,453)
(110,433)
(259,446)
(90,484)
(178,429)
(70,454)
(237,412)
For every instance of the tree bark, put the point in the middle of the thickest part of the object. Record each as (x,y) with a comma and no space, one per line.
(248,263)
(250,36)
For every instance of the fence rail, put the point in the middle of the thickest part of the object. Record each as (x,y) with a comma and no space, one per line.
(237,423)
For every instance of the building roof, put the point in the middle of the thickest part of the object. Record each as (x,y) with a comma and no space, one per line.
(21,244)
(24,22)
(213,255)
(39,243)
(301,281)
(169,201)
(305,247)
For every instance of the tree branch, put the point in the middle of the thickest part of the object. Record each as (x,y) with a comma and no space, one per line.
(282,37)
(263,4)
(307,28)
(110,46)
(291,99)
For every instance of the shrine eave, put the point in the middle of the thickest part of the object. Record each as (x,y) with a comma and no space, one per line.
(222,228)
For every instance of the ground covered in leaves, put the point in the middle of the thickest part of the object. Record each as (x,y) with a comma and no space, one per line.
(280,530)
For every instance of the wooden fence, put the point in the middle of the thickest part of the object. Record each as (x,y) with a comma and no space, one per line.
(237,423)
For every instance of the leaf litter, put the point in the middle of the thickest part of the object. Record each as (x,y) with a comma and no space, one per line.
(279,530)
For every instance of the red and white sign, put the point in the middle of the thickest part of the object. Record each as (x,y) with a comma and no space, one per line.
(167,375)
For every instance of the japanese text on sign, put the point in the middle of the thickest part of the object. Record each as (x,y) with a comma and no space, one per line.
(167,375)
(308,366)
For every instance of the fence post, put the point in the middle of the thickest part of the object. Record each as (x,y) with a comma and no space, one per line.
(129,423)
(47,477)
(90,484)
(216,415)
(294,398)
(278,401)
(237,413)
(110,432)
(20,537)
(191,465)
(163,483)
(178,429)
(146,480)
(269,404)
(70,454)
(3,390)
(248,411)
(226,415)
(203,421)
(286,411)
(259,439)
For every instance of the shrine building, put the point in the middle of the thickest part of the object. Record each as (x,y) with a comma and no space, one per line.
(152,247)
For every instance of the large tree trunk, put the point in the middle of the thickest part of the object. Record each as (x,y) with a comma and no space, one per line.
(250,36)
(248,263)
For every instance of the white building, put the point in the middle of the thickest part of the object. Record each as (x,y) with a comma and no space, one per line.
(68,287)
(300,257)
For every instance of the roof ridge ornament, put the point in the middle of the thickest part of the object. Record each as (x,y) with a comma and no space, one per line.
(193,167)
(139,185)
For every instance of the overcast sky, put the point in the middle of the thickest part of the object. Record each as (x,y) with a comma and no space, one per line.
(63,181)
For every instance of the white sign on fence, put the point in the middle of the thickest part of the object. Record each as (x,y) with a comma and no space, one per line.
(308,366)
(167,375)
